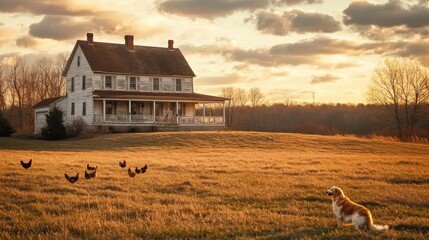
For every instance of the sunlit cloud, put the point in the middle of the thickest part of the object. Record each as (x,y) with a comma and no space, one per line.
(295,21)
(390,14)
(44,7)
(220,8)
(327,78)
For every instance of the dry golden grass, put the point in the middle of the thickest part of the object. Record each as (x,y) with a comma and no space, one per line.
(211,185)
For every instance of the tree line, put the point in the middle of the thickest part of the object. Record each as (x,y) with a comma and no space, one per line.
(23,84)
(398,102)
(398,105)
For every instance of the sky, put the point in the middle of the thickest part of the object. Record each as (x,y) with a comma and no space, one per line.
(290,49)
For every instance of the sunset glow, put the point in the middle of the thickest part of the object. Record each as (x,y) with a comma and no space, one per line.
(290,49)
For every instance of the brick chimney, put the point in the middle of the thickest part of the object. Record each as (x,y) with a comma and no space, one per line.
(90,38)
(170,44)
(129,42)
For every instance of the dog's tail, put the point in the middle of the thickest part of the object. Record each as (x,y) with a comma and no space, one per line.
(378,228)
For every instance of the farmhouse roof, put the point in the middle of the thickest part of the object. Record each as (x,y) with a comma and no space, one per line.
(156,96)
(46,102)
(140,60)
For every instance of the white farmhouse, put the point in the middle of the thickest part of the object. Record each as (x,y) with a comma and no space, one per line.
(128,87)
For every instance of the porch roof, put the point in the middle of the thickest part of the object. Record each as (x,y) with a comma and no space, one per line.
(156,96)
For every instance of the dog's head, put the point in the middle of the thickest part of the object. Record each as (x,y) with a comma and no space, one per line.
(335,192)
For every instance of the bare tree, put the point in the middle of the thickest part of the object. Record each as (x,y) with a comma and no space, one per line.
(51,83)
(18,77)
(229,92)
(256,97)
(57,78)
(401,86)
(240,97)
(3,88)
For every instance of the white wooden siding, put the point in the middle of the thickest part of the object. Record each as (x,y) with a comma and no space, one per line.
(79,96)
(144,83)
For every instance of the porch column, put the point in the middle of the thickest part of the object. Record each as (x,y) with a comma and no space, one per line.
(204,112)
(223,112)
(154,111)
(129,111)
(177,112)
(104,110)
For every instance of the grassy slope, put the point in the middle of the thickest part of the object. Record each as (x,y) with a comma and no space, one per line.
(211,185)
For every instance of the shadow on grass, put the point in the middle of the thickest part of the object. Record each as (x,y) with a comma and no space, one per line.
(411,228)
(417,181)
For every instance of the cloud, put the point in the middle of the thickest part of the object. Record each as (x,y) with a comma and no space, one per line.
(328,46)
(26,42)
(66,27)
(220,80)
(414,50)
(44,7)
(310,52)
(261,57)
(295,21)
(295,2)
(389,14)
(327,78)
(211,9)
(60,27)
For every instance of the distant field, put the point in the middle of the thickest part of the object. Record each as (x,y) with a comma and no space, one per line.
(211,185)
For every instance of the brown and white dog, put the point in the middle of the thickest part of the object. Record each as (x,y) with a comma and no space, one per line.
(348,212)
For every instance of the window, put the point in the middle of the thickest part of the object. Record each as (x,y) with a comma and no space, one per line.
(110,107)
(84,109)
(108,82)
(156,84)
(181,110)
(72,84)
(72,109)
(83,82)
(178,85)
(137,108)
(133,83)
(78,61)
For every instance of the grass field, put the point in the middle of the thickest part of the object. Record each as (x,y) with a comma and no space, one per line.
(211,185)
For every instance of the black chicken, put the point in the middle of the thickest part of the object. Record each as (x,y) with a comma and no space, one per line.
(131,173)
(93,174)
(144,168)
(123,164)
(87,175)
(26,165)
(138,170)
(90,168)
(72,179)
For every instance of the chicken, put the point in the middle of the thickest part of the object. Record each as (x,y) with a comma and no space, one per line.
(26,165)
(130,173)
(138,170)
(72,179)
(93,174)
(90,168)
(87,175)
(144,168)
(123,164)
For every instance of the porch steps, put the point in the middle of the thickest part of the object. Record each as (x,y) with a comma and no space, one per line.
(168,128)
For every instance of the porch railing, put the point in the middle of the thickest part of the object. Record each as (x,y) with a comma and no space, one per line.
(201,120)
(118,118)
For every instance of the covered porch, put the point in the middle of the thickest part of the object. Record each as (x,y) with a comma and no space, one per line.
(153,109)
